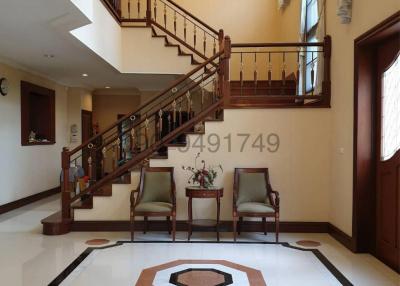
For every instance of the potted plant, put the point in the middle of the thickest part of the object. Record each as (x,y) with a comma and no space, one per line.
(203,176)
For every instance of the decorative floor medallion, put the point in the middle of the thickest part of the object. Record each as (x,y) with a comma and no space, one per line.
(200,273)
(308,243)
(97,242)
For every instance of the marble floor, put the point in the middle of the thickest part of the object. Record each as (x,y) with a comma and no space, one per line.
(29,258)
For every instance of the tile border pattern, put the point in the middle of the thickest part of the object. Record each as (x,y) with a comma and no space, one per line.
(322,258)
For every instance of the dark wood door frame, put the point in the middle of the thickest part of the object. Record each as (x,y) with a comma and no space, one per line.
(365,101)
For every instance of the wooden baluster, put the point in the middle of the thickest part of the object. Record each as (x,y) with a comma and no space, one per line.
(269,71)
(114,155)
(312,73)
(180,112)
(103,161)
(205,43)
(298,74)
(160,123)
(165,15)
(90,167)
(133,140)
(241,73)
(255,73)
(202,91)
(284,69)
(184,28)
(138,8)
(155,10)
(215,47)
(169,122)
(129,9)
(148,13)
(194,36)
(65,196)
(175,22)
(146,132)
(189,105)
(174,114)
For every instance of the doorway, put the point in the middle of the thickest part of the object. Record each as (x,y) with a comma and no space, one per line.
(376,190)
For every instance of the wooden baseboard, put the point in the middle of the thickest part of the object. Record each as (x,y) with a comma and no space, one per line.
(28,200)
(342,237)
(226,226)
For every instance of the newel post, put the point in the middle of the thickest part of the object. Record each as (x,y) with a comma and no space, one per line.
(65,187)
(118,7)
(326,84)
(226,72)
(221,63)
(148,13)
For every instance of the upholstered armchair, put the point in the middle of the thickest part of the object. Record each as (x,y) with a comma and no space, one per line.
(253,197)
(155,197)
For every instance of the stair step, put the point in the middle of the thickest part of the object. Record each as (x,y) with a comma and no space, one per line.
(159,156)
(55,225)
(105,191)
(83,204)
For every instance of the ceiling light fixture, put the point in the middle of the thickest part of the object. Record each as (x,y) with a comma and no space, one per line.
(107,87)
(49,56)
(85,75)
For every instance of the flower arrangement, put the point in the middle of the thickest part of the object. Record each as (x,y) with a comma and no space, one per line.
(203,176)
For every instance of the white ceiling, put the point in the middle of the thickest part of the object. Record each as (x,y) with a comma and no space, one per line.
(29,29)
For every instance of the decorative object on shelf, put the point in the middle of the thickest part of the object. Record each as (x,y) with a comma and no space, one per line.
(32,137)
(3,86)
(203,176)
(345,11)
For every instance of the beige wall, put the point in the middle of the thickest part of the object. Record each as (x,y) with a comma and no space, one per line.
(78,99)
(107,104)
(366,14)
(30,169)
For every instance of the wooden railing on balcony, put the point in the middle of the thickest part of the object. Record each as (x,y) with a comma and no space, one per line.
(280,74)
(168,17)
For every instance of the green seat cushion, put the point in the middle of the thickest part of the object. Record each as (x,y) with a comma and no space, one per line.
(156,207)
(252,188)
(255,208)
(157,187)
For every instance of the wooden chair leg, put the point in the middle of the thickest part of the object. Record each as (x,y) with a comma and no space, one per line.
(239,227)
(145,225)
(173,227)
(169,225)
(234,228)
(264,221)
(132,228)
(277,226)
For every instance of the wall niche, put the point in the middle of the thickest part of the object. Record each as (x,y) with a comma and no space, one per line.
(37,115)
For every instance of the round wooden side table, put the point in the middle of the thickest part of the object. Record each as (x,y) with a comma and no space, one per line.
(197,192)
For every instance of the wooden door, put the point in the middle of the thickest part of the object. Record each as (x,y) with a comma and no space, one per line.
(87,133)
(388,153)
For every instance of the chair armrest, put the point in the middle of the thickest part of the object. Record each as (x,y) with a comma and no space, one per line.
(234,198)
(133,199)
(276,200)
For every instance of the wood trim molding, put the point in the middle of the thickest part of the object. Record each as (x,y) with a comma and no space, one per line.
(181,225)
(341,237)
(28,200)
(364,148)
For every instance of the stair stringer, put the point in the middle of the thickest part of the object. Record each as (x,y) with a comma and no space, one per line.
(117,206)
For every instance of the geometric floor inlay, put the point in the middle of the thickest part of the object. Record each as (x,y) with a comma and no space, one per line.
(97,241)
(199,263)
(200,273)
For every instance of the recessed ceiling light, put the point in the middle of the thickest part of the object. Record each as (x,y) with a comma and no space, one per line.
(107,87)
(85,75)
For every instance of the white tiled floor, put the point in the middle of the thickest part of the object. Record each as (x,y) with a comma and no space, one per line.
(29,258)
